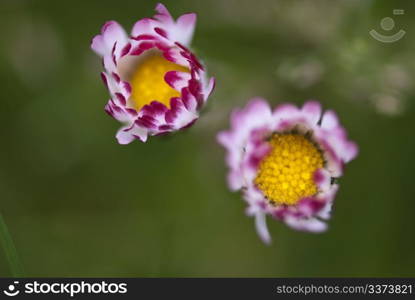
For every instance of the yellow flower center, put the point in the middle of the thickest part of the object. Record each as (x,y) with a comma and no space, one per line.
(148,84)
(285,175)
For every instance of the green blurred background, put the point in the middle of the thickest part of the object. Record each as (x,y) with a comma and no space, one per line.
(79,204)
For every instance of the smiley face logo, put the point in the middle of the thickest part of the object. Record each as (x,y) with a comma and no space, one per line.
(11,290)
(387,24)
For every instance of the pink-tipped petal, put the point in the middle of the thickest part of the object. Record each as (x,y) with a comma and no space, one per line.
(210,87)
(312,111)
(143,27)
(350,151)
(124,136)
(187,21)
(285,111)
(329,120)
(127,134)
(322,179)
(112,32)
(309,225)
(163,14)
(261,227)
(177,80)
(98,45)
(185,28)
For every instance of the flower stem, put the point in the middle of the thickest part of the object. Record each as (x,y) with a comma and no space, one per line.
(10,250)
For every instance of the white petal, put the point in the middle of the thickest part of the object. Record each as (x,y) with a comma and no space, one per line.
(261,227)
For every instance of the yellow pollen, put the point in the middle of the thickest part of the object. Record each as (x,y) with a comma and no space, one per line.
(148,84)
(285,175)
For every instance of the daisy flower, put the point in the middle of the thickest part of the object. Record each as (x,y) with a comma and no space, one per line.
(286,162)
(156,84)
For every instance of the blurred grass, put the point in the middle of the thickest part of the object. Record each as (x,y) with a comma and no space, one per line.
(79,204)
(9,250)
